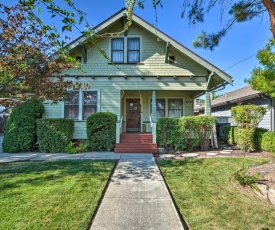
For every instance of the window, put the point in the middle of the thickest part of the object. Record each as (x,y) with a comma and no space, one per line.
(125,49)
(133,50)
(80,104)
(160,107)
(174,107)
(118,50)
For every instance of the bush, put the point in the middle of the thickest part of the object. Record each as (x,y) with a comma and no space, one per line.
(101,131)
(77,147)
(268,142)
(169,134)
(184,132)
(200,126)
(230,134)
(20,131)
(257,138)
(54,134)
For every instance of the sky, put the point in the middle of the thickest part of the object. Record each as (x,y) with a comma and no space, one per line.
(241,42)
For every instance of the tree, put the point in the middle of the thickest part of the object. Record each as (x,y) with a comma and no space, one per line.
(195,10)
(26,63)
(263,78)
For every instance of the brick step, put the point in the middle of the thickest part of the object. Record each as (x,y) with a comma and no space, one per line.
(136,140)
(135,150)
(142,146)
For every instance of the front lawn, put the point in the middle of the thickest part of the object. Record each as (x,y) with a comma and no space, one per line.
(51,195)
(208,200)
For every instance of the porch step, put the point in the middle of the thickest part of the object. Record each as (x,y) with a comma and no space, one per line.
(136,143)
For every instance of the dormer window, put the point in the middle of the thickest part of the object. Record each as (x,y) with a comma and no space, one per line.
(118,50)
(133,50)
(125,50)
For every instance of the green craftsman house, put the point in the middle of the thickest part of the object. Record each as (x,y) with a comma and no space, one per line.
(150,75)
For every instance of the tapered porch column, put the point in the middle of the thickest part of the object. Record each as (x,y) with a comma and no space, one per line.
(154,107)
(207,108)
(153,117)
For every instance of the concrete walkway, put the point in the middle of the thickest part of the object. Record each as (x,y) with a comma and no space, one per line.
(137,198)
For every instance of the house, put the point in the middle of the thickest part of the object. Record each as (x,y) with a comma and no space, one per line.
(149,75)
(221,107)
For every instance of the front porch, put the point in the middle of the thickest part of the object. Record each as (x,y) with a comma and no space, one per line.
(136,128)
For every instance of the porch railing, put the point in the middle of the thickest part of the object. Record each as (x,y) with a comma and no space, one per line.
(118,130)
(154,130)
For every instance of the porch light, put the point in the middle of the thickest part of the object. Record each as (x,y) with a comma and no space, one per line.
(191,76)
(142,77)
(125,77)
(109,77)
(76,77)
(93,77)
(158,77)
(175,77)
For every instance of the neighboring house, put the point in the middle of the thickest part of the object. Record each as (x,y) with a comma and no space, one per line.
(153,76)
(221,107)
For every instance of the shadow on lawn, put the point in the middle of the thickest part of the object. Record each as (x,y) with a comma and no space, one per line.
(15,175)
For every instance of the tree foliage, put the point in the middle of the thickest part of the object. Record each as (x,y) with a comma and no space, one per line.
(263,78)
(26,64)
(194,10)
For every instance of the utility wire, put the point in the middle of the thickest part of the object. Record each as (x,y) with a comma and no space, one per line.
(239,62)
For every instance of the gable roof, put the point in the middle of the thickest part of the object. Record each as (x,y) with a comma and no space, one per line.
(244,93)
(224,77)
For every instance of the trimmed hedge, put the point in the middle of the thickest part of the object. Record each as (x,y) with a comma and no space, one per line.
(54,134)
(168,134)
(20,131)
(268,142)
(101,131)
(230,134)
(185,132)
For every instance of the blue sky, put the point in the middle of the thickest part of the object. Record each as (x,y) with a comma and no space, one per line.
(242,41)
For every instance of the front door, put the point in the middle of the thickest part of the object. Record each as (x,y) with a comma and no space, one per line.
(132,115)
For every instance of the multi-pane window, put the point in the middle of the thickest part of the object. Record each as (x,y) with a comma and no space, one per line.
(174,107)
(72,105)
(80,104)
(89,103)
(160,106)
(125,50)
(133,50)
(118,50)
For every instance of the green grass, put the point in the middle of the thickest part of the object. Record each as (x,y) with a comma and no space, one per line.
(51,195)
(208,200)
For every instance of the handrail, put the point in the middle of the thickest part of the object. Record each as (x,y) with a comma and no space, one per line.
(118,130)
(121,122)
(154,130)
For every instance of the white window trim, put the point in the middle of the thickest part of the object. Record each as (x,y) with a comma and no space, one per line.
(125,58)
(80,102)
(166,104)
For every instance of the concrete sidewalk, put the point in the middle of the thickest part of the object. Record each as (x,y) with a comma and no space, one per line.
(137,198)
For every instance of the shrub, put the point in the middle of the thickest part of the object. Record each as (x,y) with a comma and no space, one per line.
(257,138)
(230,134)
(20,131)
(247,118)
(77,147)
(169,135)
(54,134)
(101,131)
(268,142)
(200,126)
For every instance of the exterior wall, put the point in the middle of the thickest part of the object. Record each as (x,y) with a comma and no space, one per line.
(223,113)
(152,58)
(114,90)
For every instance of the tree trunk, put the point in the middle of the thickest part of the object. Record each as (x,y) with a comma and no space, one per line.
(270,6)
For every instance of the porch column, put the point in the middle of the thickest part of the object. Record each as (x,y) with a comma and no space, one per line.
(154,107)
(207,107)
